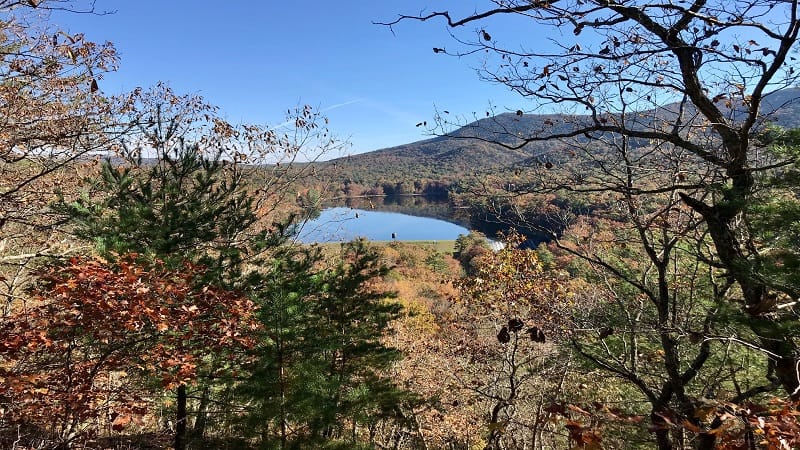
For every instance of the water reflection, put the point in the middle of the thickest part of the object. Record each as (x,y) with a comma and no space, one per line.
(434,206)
(390,201)
(340,224)
(438,207)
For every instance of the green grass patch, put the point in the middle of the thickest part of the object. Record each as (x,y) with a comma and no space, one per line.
(446,247)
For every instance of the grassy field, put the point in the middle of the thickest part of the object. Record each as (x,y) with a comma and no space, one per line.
(446,247)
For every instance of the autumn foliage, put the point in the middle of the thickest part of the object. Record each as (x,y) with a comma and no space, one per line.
(69,355)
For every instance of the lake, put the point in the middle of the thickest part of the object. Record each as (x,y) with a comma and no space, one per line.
(341,224)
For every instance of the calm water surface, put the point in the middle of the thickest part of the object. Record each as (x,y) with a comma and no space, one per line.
(343,224)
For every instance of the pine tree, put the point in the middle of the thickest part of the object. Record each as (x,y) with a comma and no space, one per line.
(284,290)
(353,317)
(321,366)
(187,207)
(774,215)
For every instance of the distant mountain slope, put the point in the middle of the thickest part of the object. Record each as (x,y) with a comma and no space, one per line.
(441,161)
(446,150)
(783,107)
(447,156)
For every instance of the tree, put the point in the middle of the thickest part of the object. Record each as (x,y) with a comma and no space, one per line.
(469,249)
(514,307)
(200,202)
(774,213)
(665,102)
(184,208)
(178,202)
(285,291)
(53,114)
(75,358)
(354,316)
(320,368)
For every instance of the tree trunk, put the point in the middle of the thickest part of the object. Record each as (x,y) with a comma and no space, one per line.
(663,440)
(706,441)
(202,414)
(662,431)
(180,423)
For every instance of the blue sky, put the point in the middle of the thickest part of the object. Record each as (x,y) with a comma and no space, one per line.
(256,59)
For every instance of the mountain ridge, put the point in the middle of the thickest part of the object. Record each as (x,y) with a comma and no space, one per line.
(440,161)
(782,106)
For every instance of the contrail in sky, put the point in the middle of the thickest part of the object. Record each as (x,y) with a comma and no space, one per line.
(339,105)
(326,109)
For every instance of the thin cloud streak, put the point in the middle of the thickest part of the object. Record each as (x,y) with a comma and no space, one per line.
(339,105)
(324,110)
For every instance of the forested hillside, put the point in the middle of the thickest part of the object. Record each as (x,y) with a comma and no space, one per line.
(494,143)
